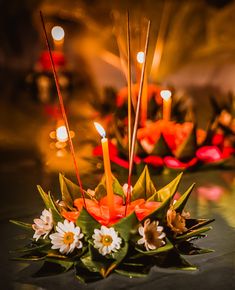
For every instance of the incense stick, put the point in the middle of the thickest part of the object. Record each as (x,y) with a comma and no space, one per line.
(63,109)
(129,82)
(137,114)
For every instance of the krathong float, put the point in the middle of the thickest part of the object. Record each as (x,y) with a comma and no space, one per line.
(173,146)
(129,239)
(113,228)
(164,142)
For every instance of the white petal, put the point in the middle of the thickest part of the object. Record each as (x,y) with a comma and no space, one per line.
(141,241)
(79,245)
(141,231)
(80,236)
(159,228)
(151,247)
(162,236)
(60,228)
(96,231)
(104,230)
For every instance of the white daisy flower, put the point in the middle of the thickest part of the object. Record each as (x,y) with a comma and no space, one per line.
(67,237)
(106,240)
(152,235)
(43,225)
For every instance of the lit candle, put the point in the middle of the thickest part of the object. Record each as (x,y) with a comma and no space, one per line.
(166,111)
(57,33)
(61,134)
(140,57)
(107,168)
(144,100)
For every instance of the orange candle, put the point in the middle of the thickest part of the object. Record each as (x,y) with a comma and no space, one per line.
(166,110)
(107,168)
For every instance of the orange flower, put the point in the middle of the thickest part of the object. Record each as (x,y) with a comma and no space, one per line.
(99,210)
(176,221)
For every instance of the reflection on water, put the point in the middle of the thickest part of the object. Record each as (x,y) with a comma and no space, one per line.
(217,197)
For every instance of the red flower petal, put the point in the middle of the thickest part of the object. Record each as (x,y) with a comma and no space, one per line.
(218,139)
(71,215)
(97,151)
(154,160)
(119,161)
(227,152)
(118,200)
(173,162)
(209,154)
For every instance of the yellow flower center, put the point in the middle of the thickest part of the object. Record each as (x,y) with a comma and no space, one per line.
(106,240)
(68,238)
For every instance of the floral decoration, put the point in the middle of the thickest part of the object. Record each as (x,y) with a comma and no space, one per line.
(173,146)
(106,240)
(43,225)
(95,243)
(67,237)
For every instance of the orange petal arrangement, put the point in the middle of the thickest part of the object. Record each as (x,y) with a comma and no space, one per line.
(113,228)
(173,146)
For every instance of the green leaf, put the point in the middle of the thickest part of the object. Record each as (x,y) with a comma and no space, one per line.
(31,257)
(92,263)
(174,260)
(167,247)
(188,148)
(118,256)
(161,148)
(22,225)
(187,248)
(168,190)
(181,202)
(193,233)
(130,274)
(69,190)
(126,226)
(87,223)
(53,267)
(144,187)
(193,224)
(55,213)
(160,213)
(117,188)
(86,276)
(50,204)
(30,248)
(100,190)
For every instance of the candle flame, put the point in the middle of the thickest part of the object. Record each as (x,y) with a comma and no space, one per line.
(140,57)
(57,33)
(165,94)
(61,134)
(100,129)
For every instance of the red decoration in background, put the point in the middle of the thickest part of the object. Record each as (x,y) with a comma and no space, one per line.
(204,154)
(153,92)
(58,57)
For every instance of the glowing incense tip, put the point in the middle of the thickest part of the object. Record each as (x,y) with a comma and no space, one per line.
(140,57)
(165,94)
(57,33)
(100,129)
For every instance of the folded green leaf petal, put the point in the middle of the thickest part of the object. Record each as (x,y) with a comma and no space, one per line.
(168,190)
(144,187)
